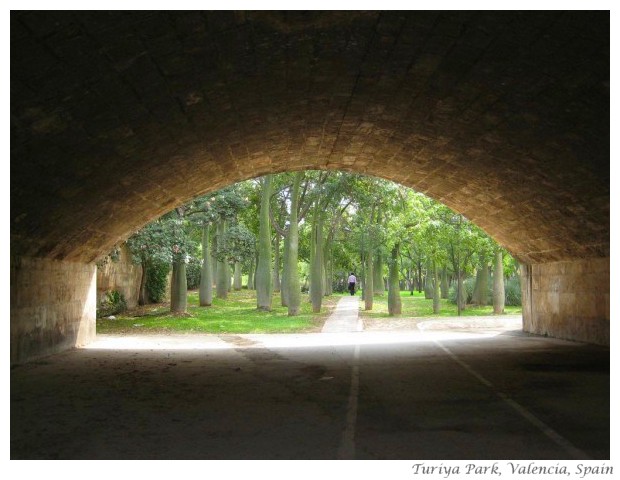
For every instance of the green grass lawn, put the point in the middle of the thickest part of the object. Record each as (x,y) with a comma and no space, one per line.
(417,306)
(237,314)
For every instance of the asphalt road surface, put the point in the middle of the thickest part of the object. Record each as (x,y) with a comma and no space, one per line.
(363,395)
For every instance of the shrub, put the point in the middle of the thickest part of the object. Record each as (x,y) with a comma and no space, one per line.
(512,289)
(468,285)
(113,303)
(193,273)
(156,281)
(513,292)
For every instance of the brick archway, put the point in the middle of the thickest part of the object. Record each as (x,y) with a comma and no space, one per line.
(116,117)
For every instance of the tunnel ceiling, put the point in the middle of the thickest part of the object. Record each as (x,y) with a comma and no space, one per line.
(116,117)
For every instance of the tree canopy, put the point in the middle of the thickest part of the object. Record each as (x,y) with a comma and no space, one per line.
(344,222)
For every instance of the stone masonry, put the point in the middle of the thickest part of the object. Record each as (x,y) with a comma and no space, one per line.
(52,306)
(117,117)
(568,300)
(122,276)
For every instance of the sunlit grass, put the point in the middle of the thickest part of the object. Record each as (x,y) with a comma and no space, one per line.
(417,306)
(237,314)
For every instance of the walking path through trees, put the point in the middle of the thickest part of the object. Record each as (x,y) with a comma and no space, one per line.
(345,318)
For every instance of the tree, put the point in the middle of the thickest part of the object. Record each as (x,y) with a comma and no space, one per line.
(235,246)
(178,287)
(498,283)
(223,270)
(356,223)
(373,231)
(205,290)
(484,251)
(219,208)
(394,302)
(167,240)
(325,189)
(182,246)
(377,281)
(316,262)
(444,282)
(149,248)
(292,274)
(263,269)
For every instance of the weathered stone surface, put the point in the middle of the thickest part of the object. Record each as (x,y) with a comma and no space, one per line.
(568,300)
(122,276)
(116,117)
(52,306)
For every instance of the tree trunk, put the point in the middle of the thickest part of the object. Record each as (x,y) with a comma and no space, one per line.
(316,269)
(292,274)
(237,278)
(444,283)
(362,276)
(173,292)
(428,285)
(251,274)
(276,263)
(436,294)
(178,289)
(214,262)
(284,286)
(205,291)
(420,286)
(499,295)
(481,287)
(327,268)
(461,294)
(264,288)
(394,302)
(378,283)
(223,278)
(369,285)
(411,281)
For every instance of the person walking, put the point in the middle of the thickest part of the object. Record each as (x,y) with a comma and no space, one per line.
(352,282)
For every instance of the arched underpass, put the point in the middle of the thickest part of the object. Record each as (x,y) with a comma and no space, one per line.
(116,117)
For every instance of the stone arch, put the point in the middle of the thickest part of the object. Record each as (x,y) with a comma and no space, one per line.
(117,117)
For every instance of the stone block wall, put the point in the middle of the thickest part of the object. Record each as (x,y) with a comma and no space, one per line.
(568,300)
(121,275)
(53,306)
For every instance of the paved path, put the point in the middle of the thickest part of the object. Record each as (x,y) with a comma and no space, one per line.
(345,317)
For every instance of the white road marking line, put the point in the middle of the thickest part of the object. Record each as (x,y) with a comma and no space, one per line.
(562,442)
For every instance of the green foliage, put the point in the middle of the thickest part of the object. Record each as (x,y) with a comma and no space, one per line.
(193,273)
(163,240)
(511,266)
(513,292)
(468,285)
(360,215)
(224,204)
(112,304)
(157,280)
(237,244)
(512,289)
